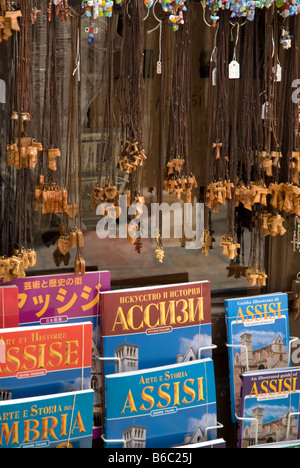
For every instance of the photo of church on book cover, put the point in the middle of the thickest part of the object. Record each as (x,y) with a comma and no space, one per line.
(149,327)
(269,407)
(161,407)
(257,338)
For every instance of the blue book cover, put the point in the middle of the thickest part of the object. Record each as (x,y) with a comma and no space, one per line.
(269,407)
(64,420)
(257,338)
(162,407)
(43,360)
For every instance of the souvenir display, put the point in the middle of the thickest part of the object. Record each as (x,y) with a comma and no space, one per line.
(109,108)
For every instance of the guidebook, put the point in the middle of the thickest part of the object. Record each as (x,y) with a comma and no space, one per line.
(155,326)
(61,298)
(65,298)
(269,407)
(161,407)
(46,359)
(257,338)
(9,307)
(63,420)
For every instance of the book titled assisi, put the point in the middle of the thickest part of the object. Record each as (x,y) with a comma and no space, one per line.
(257,338)
(270,405)
(161,407)
(63,420)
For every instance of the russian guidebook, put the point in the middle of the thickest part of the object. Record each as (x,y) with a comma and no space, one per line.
(149,327)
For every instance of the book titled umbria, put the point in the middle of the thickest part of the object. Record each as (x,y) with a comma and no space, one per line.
(62,420)
(257,338)
(46,359)
(270,405)
(162,407)
(155,326)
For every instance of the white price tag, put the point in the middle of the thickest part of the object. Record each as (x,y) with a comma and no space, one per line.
(214,77)
(277,72)
(265,110)
(234,70)
(158,68)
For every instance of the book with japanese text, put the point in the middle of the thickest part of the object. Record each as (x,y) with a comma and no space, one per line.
(46,359)
(270,405)
(257,338)
(161,407)
(9,307)
(62,420)
(155,326)
(61,298)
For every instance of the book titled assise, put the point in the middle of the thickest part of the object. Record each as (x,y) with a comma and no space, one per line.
(55,421)
(161,407)
(269,406)
(149,327)
(257,337)
(46,359)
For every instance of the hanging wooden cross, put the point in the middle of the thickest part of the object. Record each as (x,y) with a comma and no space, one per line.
(217,146)
(25,117)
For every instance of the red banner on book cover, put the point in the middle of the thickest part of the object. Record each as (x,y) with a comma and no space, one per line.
(9,307)
(155,310)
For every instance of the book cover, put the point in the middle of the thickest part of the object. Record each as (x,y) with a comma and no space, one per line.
(46,359)
(62,420)
(9,307)
(61,298)
(257,338)
(269,407)
(161,407)
(150,327)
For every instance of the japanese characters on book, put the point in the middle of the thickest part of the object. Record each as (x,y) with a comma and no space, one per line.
(258,337)
(149,327)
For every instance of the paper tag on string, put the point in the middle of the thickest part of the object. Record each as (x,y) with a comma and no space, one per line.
(277,72)
(214,77)
(2,351)
(234,70)
(264,111)
(158,68)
